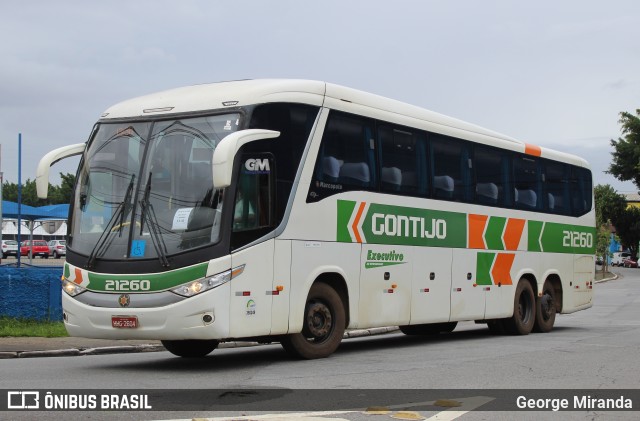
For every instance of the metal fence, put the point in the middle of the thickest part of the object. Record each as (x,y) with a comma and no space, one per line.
(28,261)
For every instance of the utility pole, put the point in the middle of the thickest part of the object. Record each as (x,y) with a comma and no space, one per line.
(1,183)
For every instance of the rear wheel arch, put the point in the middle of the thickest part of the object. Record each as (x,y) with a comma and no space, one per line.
(556,282)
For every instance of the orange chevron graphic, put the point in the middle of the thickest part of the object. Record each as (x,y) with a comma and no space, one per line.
(78,278)
(356,220)
(501,270)
(477,224)
(513,233)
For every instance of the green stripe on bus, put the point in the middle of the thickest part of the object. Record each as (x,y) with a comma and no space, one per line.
(399,225)
(157,281)
(385,224)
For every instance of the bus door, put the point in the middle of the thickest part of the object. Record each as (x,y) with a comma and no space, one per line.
(385,285)
(253,218)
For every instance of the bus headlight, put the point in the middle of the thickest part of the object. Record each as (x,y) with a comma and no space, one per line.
(72,288)
(205,284)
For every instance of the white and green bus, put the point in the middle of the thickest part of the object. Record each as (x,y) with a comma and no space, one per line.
(289,211)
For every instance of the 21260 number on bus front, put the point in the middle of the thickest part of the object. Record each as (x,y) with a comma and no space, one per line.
(127,285)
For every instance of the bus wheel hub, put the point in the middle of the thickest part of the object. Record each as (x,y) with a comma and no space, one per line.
(318,320)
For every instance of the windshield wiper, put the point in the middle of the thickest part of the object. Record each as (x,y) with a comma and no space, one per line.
(154,230)
(121,211)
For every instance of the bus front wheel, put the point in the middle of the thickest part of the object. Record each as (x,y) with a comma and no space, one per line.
(524,310)
(190,348)
(323,325)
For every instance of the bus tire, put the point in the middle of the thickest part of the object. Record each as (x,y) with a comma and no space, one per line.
(545,309)
(190,348)
(428,329)
(323,325)
(524,310)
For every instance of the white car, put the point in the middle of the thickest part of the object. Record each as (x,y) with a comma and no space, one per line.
(9,248)
(57,248)
(619,257)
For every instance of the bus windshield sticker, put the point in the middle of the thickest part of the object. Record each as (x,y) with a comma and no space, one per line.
(137,248)
(181,219)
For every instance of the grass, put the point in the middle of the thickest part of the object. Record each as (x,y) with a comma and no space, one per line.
(25,327)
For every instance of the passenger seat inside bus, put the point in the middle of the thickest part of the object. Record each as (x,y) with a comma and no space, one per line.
(391,178)
(331,168)
(355,173)
(443,186)
(527,198)
(487,193)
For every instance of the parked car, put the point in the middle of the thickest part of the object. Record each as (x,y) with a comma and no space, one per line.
(57,248)
(630,262)
(599,260)
(39,248)
(9,248)
(618,257)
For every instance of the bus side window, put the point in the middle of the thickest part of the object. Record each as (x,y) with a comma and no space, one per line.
(556,188)
(403,159)
(253,207)
(526,182)
(489,166)
(581,187)
(346,160)
(451,168)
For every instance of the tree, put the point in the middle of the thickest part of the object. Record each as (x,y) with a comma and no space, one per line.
(625,164)
(609,205)
(57,194)
(628,228)
(603,235)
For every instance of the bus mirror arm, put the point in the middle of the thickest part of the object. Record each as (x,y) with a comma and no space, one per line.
(227,149)
(42,172)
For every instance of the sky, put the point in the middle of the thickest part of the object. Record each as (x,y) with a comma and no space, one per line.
(552,73)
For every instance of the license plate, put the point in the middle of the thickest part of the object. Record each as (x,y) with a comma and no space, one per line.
(124,322)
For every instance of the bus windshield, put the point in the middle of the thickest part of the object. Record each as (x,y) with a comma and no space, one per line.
(145,189)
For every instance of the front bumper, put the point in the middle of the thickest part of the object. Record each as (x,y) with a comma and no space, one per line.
(181,320)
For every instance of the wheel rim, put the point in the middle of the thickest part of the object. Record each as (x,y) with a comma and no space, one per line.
(319,322)
(547,306)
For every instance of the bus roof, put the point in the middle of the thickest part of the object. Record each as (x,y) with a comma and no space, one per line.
(220,95)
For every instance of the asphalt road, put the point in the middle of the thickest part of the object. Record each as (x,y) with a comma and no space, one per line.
(594,349)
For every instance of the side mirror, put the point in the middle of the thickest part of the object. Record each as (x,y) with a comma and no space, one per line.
(42,172)
(227,149)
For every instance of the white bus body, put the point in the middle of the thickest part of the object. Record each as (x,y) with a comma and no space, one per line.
(351,211)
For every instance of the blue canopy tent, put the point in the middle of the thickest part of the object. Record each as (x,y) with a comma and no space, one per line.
(30,213)
(33,214)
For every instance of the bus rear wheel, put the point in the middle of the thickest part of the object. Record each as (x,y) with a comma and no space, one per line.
(190,348)
(524,310)
(322,328)
(545,309)
(428,329)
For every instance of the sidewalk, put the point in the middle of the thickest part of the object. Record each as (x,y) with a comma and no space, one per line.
(31,347)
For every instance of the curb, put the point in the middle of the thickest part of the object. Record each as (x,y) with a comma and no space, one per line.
(129,349)
(611,278)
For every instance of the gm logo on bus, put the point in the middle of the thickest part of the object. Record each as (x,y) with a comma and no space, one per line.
(260,166)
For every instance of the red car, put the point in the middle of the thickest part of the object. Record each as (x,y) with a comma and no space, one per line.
(39,248)
(630,263)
